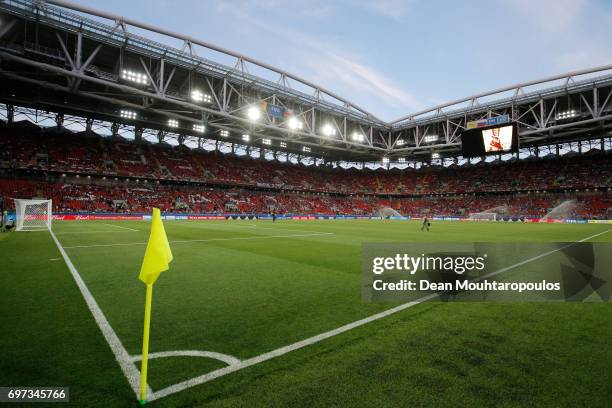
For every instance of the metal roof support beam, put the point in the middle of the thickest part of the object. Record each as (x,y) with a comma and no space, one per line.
(7,27)
(66,53)
(151,80)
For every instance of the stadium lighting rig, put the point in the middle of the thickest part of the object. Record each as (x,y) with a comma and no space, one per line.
(435,156)
(135,77)
(199,128)
(173,123)
(400,142)
(283,144)
(254,113)
(267,142)
(246,138)
(306,149)
(199,97)
(401,160)
(295,124)
(568,114)
(224,133)
(357,137)
(128,114)
(430,138)
(328,130)
(385,160)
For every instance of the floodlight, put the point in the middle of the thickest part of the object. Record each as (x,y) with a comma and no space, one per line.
(567,114)
(357,137)
(400,142)
(267,142)
(385,160)
(253,113)
(199,96)
(283,144)
(401,160)
(430,138)
(199,128)
(294,123)
(133,76)
(128,114)
(224,133)
(246,137)
(306,149)
(328,130)
(435,156)
(173,123)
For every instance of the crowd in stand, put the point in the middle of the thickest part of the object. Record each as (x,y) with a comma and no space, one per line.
(229,184)
(72,197)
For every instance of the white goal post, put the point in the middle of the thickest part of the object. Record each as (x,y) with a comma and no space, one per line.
(33,215)
(483,216)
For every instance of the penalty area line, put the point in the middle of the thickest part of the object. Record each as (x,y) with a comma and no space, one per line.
(119,226)
(205,240)
(173,389)
(128,367)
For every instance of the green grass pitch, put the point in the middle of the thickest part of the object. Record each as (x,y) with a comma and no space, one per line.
(244,288)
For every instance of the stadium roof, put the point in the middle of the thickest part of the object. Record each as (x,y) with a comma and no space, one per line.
(77,60)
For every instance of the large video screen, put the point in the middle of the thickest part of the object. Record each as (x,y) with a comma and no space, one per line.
(489,140)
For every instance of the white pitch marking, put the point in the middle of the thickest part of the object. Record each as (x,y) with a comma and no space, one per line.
(323,336)
(205,240)
(93,232)
(226,358)
(55,259)
(241,224)
(129,369)
(119,226)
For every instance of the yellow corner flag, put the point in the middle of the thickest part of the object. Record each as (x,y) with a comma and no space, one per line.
(156,260)
(158,255)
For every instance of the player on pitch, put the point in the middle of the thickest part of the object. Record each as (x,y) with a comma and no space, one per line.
(426,224)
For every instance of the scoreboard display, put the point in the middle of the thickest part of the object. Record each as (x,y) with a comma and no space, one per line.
(490,140)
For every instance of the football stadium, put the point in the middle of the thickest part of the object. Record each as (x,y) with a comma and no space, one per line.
(184,226)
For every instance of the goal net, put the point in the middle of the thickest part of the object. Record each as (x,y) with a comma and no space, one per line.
(483,216)
(33,215)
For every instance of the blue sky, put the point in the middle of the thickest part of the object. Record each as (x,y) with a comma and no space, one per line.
(394,57)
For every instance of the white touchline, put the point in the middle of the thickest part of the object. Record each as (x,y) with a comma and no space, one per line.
(315,339)
(205,240)
(119,226)
(129,369)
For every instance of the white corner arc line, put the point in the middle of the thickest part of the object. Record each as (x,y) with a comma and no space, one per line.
(331,333)
(226,358)
(205,240)
(121,355)
(119,226)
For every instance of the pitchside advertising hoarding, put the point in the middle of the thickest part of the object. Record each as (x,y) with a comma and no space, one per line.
(212,217)
(472,272)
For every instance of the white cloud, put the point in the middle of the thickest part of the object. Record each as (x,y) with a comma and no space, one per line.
(386,8)
(293,9)
(549,15)
(321,60)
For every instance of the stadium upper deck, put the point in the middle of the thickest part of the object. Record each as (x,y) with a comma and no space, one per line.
(97,68)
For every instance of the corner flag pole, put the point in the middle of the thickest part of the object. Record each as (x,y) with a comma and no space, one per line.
(145,345)
(156,260)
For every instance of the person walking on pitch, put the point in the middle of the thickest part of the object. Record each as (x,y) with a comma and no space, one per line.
(425,225)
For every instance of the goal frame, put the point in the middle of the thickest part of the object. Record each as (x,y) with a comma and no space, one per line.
(484,216)
(41,219)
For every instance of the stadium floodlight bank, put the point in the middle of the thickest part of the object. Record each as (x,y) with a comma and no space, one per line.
(483,216)
(33,215)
